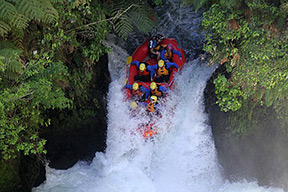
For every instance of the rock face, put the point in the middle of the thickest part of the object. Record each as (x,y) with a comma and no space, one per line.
(262,153)
(66,147)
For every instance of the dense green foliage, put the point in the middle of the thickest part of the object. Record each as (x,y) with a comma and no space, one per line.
(29,85)
(249,38)
(128,14)
(47,52)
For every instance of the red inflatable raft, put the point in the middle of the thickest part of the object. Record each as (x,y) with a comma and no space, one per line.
(142,55)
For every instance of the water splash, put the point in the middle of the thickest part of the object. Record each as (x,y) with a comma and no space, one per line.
(182,157)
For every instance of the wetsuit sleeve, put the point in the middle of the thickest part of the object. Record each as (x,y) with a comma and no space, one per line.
(177,53)
(145,91)
(142,104)
(128,86)
(157,106)
(162,55)
(152,70)
(163,89)
(135,63)
(171,64)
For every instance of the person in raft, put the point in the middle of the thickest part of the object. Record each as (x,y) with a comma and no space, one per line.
(167,53)
(154,46)
(157,90)
(163,70)
(144,72)
(139,92)
(152,107)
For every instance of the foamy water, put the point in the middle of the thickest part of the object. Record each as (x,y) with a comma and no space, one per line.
(181,158)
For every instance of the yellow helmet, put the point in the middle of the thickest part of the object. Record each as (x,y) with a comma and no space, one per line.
(142,66)
(154,98)
(161,63)
(135,86)
(134,105)
(153,85)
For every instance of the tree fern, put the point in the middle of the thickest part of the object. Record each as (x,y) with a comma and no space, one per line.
(31,9)
(16,14)
(7,10)
(124,26)
(4,28)
(19,22)
(128,14)
(12,67)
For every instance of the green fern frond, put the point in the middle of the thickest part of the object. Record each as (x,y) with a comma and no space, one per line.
(19,22)
(13,68)
(31,9)
(4,28)
(7,10)
(129,14)
(50,13)
(17,38)
(141,19)
(124,27)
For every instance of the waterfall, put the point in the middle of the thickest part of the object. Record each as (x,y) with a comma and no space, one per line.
(182,156)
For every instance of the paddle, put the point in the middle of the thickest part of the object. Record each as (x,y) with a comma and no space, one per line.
(128,61)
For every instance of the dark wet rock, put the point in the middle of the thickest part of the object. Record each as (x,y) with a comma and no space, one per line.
(68,144)
(260,154)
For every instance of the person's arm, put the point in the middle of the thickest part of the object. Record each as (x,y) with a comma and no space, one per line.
(163,89)
(157,106)
(153,51)
(152,70)
(172,64)
(177,53)
(128,86)
(162,56)
(145,91)
(144,104)
(135,63)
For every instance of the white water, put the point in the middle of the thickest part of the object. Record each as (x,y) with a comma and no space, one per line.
(182,158)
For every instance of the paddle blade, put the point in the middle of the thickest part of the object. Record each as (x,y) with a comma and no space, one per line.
(129,60)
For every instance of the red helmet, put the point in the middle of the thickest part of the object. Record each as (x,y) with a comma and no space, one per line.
(169,47)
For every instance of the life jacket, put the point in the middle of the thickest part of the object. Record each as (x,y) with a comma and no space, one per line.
(150,107)
(168,54)
(162,71)
(156,92)
(157,48)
